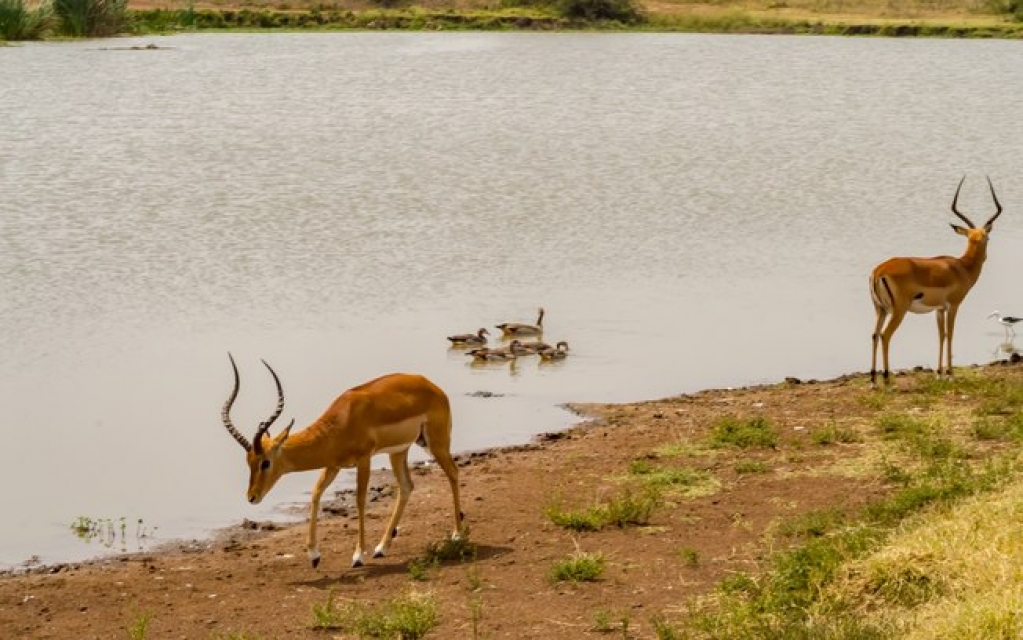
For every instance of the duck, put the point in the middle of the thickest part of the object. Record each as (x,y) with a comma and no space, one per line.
(536,346)
(559,352)
(512,351)
(492,355)
(510,329)
(463,339)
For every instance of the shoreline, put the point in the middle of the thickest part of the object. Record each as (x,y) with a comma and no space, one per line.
(294,514)
(251,581)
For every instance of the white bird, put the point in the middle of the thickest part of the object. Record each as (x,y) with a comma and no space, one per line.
(1006,321)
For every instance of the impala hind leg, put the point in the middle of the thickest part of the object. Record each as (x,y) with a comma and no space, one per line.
(881,314)
(886,337)
(399,464)
(326,478)
(446,463)
(361,487)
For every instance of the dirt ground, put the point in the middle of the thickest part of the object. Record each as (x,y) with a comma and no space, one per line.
(259,584)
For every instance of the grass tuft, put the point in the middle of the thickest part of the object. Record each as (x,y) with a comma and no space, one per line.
(579,567)
(409,616)
(743,434)
(630,508)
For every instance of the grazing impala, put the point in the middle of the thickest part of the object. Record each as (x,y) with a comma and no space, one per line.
(386,415)
(922,285)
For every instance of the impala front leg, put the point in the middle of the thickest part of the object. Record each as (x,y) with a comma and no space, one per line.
(326,478)
(951,326)
(942,328)
(361,487)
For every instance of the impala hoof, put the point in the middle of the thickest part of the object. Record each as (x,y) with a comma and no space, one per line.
(379,553)
(314,557)
(357,560)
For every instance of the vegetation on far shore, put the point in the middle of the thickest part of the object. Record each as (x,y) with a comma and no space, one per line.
(38,19)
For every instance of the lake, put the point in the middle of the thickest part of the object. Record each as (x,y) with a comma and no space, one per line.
(692,212)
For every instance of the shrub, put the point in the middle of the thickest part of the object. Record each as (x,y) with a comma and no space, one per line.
(624,11)
(18,22)
(91,18)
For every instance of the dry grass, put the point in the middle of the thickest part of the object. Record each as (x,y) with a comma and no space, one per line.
(949,573)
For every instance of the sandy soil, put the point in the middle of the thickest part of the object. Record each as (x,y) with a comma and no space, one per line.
(259,583)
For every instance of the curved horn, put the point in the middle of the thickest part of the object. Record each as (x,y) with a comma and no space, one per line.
(257,442)
(956,211)
(998,205)
(226,413)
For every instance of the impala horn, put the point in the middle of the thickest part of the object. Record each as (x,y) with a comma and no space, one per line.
(226,413)
(257,442)
(955,199)
(998,205)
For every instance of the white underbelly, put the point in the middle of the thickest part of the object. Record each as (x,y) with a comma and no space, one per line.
(919,307)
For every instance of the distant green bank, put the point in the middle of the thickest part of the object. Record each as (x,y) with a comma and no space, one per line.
(423,20)
(105,18)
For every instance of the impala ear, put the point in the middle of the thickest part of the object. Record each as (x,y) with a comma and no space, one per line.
(282,436)
(963,231)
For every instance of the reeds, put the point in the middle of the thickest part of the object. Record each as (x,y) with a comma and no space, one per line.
(19,22)
(90,18)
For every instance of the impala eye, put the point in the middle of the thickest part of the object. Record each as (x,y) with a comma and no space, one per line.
(264,465)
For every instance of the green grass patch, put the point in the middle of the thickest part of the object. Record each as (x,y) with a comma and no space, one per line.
(409,616)
(743,434)
(690,557)
(833,434)
(138,629)
(674,478)
(751,466)
(812,524)
(629,508)
(579,567)
(589,519)
(435,554)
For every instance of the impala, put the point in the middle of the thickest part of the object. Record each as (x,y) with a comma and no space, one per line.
(922,285)
(385,415)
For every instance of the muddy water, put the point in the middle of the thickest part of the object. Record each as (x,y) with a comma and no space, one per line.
(692,211)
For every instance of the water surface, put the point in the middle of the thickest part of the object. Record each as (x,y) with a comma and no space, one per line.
(692,211)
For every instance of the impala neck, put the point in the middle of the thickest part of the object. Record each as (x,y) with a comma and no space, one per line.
(303,451)
(973,258)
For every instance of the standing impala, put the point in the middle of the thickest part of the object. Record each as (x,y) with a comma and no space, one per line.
(922,285)
(385,415)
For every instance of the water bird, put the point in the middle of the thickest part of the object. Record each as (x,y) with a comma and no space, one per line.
(470,338)
(1006,321)
(511,329)
(559,352)
(512,351)
(492,355)
(536,346)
